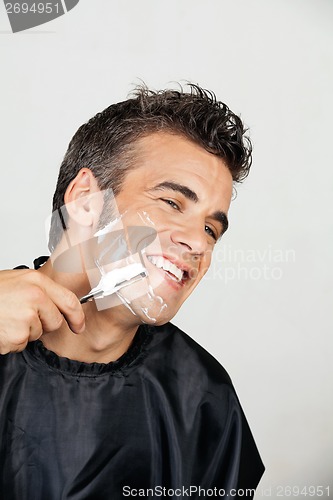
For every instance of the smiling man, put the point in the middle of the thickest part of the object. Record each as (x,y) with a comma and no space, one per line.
(130,406)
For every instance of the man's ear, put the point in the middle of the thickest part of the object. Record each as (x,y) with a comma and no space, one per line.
(84,201)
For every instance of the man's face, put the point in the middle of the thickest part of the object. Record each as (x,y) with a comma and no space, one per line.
(185,191)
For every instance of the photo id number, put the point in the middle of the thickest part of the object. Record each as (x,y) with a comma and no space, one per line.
(304,491)
(35,8)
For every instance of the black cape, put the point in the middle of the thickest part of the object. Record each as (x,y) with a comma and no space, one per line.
(165,415)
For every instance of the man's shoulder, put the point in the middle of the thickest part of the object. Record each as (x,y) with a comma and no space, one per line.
(183,355)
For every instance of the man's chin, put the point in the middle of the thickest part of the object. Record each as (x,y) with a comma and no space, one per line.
(150,308)
(151,311)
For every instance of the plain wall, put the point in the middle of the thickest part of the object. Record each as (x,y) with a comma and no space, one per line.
(265,308)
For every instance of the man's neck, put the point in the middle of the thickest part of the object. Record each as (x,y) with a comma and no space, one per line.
(107,336)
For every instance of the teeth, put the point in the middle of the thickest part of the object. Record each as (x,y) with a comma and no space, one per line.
(165,264)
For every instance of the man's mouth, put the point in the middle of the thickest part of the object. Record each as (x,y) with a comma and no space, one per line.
(174,272)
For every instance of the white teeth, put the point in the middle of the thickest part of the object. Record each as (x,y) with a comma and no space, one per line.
(165,264)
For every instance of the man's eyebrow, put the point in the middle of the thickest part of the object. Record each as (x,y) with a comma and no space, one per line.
(219,216)
(180,188)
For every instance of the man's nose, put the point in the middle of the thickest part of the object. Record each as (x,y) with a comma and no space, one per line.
(191,236)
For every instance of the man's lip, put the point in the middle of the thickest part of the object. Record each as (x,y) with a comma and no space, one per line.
(181,265)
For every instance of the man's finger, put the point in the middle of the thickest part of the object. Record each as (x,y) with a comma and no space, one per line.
(66,302)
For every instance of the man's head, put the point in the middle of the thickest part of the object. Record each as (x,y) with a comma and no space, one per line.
(106,144)
(170,158)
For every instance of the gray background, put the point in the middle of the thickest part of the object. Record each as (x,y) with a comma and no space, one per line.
(270,324)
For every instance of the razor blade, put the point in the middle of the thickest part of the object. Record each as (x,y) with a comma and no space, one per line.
(116,280)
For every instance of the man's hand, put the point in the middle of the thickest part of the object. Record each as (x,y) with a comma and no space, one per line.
(32,304)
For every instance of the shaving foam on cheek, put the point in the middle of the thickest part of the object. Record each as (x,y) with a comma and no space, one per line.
(112,255)
(148,307)
(120,246)
(155,306)
(144,216)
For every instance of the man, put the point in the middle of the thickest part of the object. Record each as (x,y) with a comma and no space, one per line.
(130,405)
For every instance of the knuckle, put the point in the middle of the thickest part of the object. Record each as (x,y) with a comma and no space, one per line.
(53,325)
(30,316)
(58,322)
(20,340)
(71,301)
(36,294)
(32,276)
(4,347)
(34,335)
(20,347)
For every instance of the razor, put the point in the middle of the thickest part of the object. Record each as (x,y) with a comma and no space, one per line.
(115,280)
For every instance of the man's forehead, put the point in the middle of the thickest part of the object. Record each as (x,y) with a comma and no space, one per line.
(162,158)
(167,145)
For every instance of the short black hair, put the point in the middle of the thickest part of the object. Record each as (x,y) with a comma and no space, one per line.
(106,143)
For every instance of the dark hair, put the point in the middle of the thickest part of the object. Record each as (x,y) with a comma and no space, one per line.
(106,143)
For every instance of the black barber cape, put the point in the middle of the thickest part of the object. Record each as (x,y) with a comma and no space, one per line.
(162,421)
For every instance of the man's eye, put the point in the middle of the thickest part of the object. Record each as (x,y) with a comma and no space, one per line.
(171,203)
(210,232)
